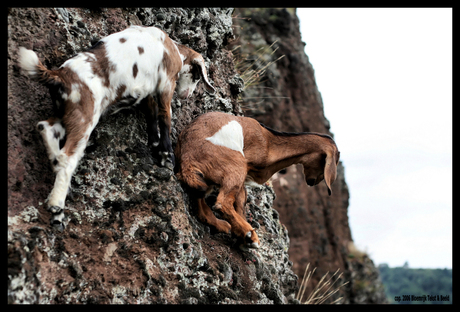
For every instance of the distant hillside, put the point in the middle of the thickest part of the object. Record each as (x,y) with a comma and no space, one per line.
(417,286)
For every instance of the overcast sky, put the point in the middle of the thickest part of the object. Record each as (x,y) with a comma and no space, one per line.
(385,77)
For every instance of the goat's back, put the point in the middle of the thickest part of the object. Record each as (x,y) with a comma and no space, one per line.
(129,63)
(207,125)
(137,54)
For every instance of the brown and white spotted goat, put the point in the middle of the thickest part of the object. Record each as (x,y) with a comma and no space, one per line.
(139,65)
(227,151)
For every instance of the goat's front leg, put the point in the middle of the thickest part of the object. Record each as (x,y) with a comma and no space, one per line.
(240,201)
(164,121)
(240,227)
(150,110)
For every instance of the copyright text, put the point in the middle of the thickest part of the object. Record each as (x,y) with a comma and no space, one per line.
(423,298)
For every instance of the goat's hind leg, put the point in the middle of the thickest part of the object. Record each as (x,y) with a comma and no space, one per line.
(52,133)
(66,163)
(206,215)
(198,189)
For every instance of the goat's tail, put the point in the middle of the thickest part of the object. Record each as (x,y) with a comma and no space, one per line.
(194,178)
(29,62)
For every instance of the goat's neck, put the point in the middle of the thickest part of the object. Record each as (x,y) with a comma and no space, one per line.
(282,148)
(282,152)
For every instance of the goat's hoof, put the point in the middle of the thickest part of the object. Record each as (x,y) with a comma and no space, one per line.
(254,245)
(169,165)
(217,207)
(251,242)
(223,226)
(55,209)
(167,160)
(58,225)
(57,218)
(247,247)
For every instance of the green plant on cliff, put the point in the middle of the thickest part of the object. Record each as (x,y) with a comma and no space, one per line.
(323,291)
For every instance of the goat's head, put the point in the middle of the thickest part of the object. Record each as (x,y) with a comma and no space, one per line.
(321,164)
(192,71)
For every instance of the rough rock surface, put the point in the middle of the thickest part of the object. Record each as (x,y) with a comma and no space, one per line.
(132,236)
(285,97)
(365,283)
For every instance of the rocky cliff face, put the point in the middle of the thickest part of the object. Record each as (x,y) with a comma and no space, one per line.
(133,236)
(285,97)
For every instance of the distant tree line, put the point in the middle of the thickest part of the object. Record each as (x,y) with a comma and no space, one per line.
(404,285)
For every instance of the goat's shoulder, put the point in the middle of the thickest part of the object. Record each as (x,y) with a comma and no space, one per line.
(211,122)
(187,54)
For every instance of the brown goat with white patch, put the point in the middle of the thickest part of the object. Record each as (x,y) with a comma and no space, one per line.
(139,65)
(227,151)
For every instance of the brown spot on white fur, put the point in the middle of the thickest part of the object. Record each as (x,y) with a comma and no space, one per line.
(135,70)
(86,85)
(102,66)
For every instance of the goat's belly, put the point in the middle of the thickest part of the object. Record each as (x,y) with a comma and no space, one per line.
(126,103)
(251,182)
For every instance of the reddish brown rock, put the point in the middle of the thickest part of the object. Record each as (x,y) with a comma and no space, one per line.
(286,98)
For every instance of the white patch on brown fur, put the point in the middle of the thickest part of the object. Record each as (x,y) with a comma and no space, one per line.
(230,136)
(75,95)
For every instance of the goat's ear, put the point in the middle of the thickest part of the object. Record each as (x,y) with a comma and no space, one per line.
(330,171)
(199,61)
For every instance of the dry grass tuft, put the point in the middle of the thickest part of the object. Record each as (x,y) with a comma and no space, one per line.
(323,290)
(252,71)
(252,68)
